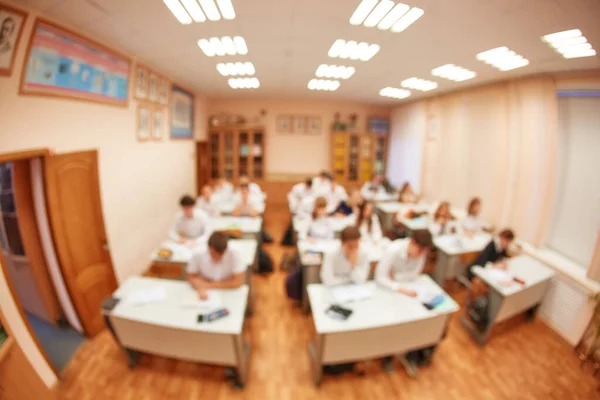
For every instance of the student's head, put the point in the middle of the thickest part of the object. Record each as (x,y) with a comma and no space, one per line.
(206,191)
(320,209)
(365,212)
(443,211)
(323,174)
(308,183)
(350,237)
(217,244)
(474,207)
(378,179)
(406,188)
(244,180)
(420,243)
(245,191)
(187,204)
(505,237)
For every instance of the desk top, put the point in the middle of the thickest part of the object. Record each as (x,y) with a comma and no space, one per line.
(394,207)
(338,223)
(171,314)
(384,308)
(375,250)
(182,254)
(245,224)
(459,244)
(523,267)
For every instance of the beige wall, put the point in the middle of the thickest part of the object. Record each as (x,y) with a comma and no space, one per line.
(295,154)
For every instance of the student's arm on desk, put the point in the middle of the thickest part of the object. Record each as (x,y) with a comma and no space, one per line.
(235,281)
(383,272)
(173,234)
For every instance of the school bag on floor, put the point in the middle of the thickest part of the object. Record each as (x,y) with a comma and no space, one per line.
(294,284)
(478,312)
(265,263)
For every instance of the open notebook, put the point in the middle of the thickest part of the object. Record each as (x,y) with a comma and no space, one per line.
(191,300)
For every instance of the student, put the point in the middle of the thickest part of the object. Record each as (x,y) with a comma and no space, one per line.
(407,195)
(372,189)
(335,196)
(207,202)
(349,263)
(322,183)
(368,222)
(299,191)
(441,222)
(319,226)
(215,267)
(349,206)
(472,223)
(223,189)
(255,190)
(495,252)
(247,205)
(191,224)
(403,261)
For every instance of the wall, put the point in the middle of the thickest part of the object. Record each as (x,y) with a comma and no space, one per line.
(140,182)
(292,154)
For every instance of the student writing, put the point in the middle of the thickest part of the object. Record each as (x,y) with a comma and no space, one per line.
(374,188)
(190,226)
(495,252)
(298,193)
(319,226)
(407,195)
(368,222)
(441,223)
(472,223)
(347,264)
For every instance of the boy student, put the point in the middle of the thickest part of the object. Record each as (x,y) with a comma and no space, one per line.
(299,191)
(255,190)
(335,196)
(373,188)
(247,205)
(208,202)
(215,267)
(495,252)
(349,263)
(322,183)
(191,224)
(223,189)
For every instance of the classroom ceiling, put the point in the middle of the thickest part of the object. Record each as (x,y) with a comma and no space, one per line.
(288,39)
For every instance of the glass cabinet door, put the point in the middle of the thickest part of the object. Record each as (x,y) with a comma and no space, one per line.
(353,158)
(228,155)
(244,151)
(366,159)
(258,155)
(214,155)
(379,154)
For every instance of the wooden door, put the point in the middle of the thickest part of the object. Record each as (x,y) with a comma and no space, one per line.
(203,167)
(75,213)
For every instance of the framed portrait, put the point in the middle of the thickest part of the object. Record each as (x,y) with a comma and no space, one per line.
(158,123)
(141,83)
(11,28)
(182,114)
(299,124)
(284,124)
(163,91)
(153,88)
(143,123)
(314,125)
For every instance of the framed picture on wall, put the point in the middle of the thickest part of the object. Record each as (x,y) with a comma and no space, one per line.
(153,88)
(314,125)
(163,91)
(299,124)
(143,122)
(11,28)
(158,123)
(284,124)
(182,114)
(141,83)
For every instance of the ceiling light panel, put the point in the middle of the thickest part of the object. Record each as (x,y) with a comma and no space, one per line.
(570,44)
(323,84)
(453,72)
(394,93)
(244,83)
(422,85)
(385,14)
(352,50)
(223,46)
(187,11)
(503,58)
(234,69)
(334,71)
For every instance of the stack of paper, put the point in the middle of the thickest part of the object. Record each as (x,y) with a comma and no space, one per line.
(145,296)
(350,293)
(191,300)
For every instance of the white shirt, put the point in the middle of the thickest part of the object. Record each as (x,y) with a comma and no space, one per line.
(369,194)
(337,270)
(299,191)
(202,264)
(376,234)
(395,266)
(224,192)
(334,197)
(254,202)
(306,206)
(320,228)
(210,207)
(472,223)
(436,229)
(321,185)
(195,228)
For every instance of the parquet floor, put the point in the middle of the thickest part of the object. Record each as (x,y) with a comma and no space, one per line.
(521,361)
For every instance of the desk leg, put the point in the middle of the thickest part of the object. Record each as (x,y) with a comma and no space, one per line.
(132,355)
(315,352)
(439,274)
(494,304)
(310,274)
(242,350)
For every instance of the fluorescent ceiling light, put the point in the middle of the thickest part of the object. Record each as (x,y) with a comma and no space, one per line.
(408,19)
(178,11)
(570,44)
(210,9)
(393,16)
(502,58)
(238,68)
(194,10)
(419,84)
(361,12)
(334,71)
(353,50)
(244,83)
(323,84)
(378,13)
(394,93)
(453,72)
(223,46)
(226,8)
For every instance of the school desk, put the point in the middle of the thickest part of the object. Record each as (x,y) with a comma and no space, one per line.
(338,223)
(166,328)
(449,250)
(389,323)
(249,226)
(387,210)
(508,300)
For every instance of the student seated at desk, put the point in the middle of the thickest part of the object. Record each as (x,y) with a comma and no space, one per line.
(335,196)
(403,261)
(319,226)
(255,190)
(207,202)
(191,224)
(495,252)
(299,191)
(441,222)
(349,263)
(247,205)
(223,189)
(368,222)
(407,195)
(349,206)
(472,223)
(375,187)
(215,267)
(322,183)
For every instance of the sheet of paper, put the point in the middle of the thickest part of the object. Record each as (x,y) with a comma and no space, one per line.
(191,300)
(350,293)
(146,296)
(499,275)
(424,292)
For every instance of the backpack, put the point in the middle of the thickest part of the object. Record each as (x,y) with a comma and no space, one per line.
(265,263)
(293,284)
(478,312)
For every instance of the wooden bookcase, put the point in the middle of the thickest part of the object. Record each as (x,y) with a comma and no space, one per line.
(237,151)
(357,156)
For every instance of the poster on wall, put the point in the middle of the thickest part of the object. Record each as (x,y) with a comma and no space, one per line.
(63,64)
(11,27)
(182,114)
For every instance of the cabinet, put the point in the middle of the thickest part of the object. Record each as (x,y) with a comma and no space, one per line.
(235,152)
(356,157)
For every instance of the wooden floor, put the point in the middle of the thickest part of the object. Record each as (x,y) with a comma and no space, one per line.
(521,361)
